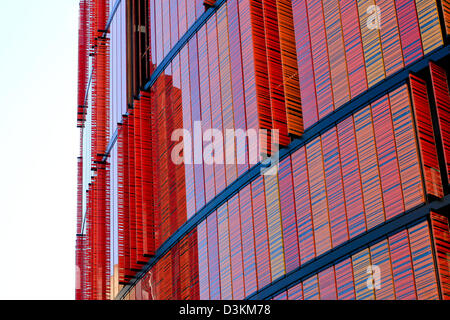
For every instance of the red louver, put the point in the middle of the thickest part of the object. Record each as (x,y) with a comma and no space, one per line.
(441,239)
(136,194)
(123,191)
(79,254)
(276,71)
(80,195)
(427,144)
(132,195)
(209,3)
(83,70)
(442,101)
(446,15)
(289,62)
(261,74)
(100,96)
(147,169)
(80,261)
(98,236)
(80,280)
(93,257)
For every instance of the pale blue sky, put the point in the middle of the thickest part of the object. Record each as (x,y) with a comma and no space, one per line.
(38,148)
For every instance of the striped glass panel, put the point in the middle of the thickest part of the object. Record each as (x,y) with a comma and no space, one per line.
(353,47)
(369,168)
(158,30)
(187,124)
(199,8)
(320,58)
(345,285)
(336,53)
(390,37)
(152,27)
(311,289)
(213,257)
(430,28)
(361,263)
(237,82)
(296,292)
(281,296)
(248,240)
(335,192)
(176,96)
(226,92)
(274,226)
(305,63)
(387,158)
(405,140)
(216,110)
(371,45)
(191,10)
(423,262)
(205,98)
(381,259)
(174,22)
(288,216)
(196,117)
(409,30)
(166,27)
(319,204)
(402,267)
(351,177)
(182,17)
(224,252)
(261,237)
(248,71)
(203,261)
(303,206)
(236,248)
(327,284)
(178,172)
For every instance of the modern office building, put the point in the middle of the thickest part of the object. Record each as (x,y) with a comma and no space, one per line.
(333,185)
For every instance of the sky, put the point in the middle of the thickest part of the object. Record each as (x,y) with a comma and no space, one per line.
(39,143)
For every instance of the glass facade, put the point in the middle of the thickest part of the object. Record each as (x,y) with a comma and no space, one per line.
(356,94)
